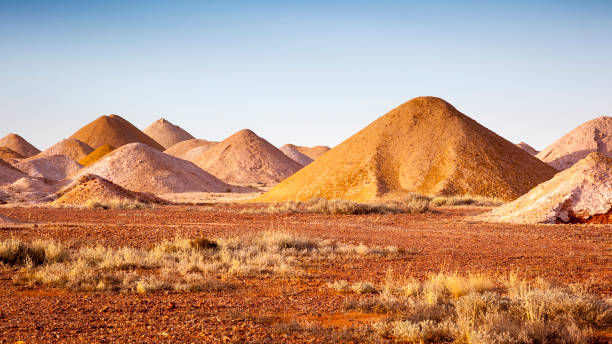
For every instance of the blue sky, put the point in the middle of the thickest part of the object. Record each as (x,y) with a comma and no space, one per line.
(306,73)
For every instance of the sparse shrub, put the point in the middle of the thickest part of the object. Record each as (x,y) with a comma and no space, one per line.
(14,252)
(440,201)
(116,203)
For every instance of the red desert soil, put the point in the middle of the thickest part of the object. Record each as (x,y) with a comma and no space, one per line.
(19,145)
(256,310)
(166,133)
(425,146)
(115,131)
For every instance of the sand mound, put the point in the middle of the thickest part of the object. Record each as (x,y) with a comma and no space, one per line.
(140,168)
(295,155)
(8,154)
(26,189)
(311,152)
(93,187)
(182,149)
(114,131)
(19,145)
(247,158)
(96,155)
(8,173)
(72,148)
(424,146)
(54,167)
(527,148)
(579,194)
(166,133)
(591,136)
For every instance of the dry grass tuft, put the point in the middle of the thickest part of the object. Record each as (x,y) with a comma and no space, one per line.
(116,203)
(341,207)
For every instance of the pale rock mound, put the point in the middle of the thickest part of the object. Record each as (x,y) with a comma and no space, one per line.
(8,173)
(186,150)
(6,220)
(26,189)
(591,136)
(246,158)
(19,145)
(166,133)
(114,131)
(295,155)
(93,187)
(9,155)
(582,193)
(96,155)
(311,152)
(140,168)
(424,146)
(54,167)
(527,148)
(72,148)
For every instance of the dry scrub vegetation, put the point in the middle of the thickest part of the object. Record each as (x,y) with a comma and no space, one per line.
(178,265)
(476,309)
(116,203)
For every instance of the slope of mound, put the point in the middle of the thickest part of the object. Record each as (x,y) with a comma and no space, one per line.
(96,155)
(54,167)
(527,148)
(424,146)
(578,194)
(592,136)
(247,158)
(115,131)
(181,149)
(93,187)
(166,133)
(8,173)
(72,148)
(295,155)
(8,154)
(140,168)
(26,189)
(6,220)
(311,152)
(19,145)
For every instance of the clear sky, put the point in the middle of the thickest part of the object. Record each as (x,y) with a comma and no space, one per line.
(313,72)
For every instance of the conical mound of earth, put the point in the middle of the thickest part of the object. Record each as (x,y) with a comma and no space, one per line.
(166,133)
(115,131)
(19,145)
(96,155)
(311,152)
(54,167)
(579,194)
(72,148)
(246,158)
(592,136)
(186,149)
(27,189)
(8,154)
(93,187)
(424,146)
(295,155)
(527,148)
(138,167)
(8,173)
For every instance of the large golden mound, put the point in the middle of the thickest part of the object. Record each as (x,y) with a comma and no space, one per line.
(424,146)
(114,131)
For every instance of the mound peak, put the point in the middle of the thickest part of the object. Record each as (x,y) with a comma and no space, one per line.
(166,133)
(138,167)
(311,152)
(527,148)
(426,146)
(115,131)
(295,155)
(592,136)
(19,145)
(247,158)
(72,148)
(9,154)
(189,149)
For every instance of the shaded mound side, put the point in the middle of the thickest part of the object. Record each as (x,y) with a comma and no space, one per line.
(8,154)
(185,150)
(115,131)
(527,148)
(93,187)
(72,148)
(96,155)
(311,152)
(8,173)
(424,146)
(19,145)
(140,168)
(26,189)
(166,133)
(54,167)
(577,194)
(591,136)
(295,155)
(247,158)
